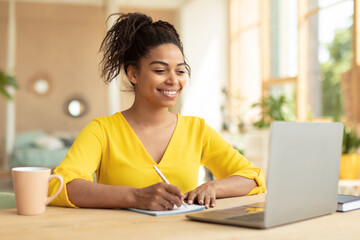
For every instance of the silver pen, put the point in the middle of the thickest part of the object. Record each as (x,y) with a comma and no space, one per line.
(165,180)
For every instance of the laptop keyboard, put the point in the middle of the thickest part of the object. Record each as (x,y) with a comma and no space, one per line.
(254,217)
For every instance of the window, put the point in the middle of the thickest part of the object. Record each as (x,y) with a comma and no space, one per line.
(330,33)
(308,53)
(244,86)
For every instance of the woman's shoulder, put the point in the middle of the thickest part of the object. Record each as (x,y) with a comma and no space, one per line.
(107,120)
(191,119)
(198,123)
(191,122)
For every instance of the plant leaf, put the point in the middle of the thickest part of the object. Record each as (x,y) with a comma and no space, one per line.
(5,94)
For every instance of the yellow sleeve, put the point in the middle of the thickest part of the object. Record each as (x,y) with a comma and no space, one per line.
(223,160)
(81,161)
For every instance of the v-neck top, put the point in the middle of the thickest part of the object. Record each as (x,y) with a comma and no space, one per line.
(109,147)
(136,138)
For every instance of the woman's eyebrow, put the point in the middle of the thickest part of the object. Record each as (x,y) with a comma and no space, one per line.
(165,63)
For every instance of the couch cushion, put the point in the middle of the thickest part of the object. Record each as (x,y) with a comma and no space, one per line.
(26,139)
(48,142)
(7,200)
(36,157)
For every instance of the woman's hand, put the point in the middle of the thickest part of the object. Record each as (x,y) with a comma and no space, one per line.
(160,196)
(232,186)
(205,194)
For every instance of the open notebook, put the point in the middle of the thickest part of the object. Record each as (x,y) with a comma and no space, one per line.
(175,210)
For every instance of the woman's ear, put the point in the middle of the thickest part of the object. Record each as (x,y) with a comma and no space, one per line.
(131,74)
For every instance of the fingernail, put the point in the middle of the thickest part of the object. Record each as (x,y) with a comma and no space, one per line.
(201,202)
(213,205)
(190,201)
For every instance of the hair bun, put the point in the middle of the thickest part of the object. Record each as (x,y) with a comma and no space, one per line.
(130,38)
(168,27)
(137,20)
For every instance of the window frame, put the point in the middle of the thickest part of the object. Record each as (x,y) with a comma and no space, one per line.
(300,80)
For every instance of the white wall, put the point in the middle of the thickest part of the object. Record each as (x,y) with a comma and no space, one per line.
(204,31)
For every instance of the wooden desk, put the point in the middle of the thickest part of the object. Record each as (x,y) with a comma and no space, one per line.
(67,223)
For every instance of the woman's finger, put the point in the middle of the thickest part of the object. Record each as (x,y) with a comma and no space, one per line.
(161,204)
(201,198)
(207,200)
(172,195)
(185,196)
(175,190)
(191,197)
(213,202)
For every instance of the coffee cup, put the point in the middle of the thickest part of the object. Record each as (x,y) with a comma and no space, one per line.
(31,186)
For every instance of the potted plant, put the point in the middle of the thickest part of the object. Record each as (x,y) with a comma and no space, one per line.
(256,140)
(273,109)
(7,80)
(350,159)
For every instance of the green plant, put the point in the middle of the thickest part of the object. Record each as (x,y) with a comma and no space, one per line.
(241,151)
(7,81)
(351,141)
(340,60)
(273,109)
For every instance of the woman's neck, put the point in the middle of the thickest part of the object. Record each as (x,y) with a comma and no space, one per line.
(148,117)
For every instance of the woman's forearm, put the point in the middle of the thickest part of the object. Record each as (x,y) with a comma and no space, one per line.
(159,196)
(83,193)
(232,186)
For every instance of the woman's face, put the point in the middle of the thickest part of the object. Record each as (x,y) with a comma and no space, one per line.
(161,76)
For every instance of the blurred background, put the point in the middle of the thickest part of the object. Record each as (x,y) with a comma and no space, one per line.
(252,62)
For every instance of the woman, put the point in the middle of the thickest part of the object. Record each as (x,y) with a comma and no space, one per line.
(122,149)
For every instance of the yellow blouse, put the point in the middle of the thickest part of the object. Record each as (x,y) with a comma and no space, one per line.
(109,147)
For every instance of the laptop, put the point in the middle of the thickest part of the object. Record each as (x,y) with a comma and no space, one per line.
(302,177)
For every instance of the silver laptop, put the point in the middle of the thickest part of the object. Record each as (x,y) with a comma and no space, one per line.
(302,177)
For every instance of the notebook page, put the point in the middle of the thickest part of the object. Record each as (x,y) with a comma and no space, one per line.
(175,210)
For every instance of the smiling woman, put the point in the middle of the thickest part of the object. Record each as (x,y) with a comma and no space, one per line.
(161,77)
(123,148)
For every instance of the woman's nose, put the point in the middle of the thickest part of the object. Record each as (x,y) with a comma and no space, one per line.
(172,78)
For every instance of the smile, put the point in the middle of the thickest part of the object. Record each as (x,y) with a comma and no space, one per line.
(169,92)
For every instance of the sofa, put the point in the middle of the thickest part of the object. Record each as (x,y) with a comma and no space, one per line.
(38,149)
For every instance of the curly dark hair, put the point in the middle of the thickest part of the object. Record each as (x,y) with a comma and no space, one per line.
(130,38)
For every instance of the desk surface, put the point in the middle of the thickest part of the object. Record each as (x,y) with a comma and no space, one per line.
(67,223)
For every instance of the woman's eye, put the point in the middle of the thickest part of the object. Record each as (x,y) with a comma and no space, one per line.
(181,72)
(159,70)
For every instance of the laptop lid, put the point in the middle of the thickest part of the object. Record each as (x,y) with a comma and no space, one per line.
(303,171)
(302,177)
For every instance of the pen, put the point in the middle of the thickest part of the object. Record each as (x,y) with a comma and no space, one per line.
(164,179)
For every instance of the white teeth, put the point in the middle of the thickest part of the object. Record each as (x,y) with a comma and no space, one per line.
(169,92)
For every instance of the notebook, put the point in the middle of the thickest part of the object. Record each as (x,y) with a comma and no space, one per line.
(348,203)
(302,177)
(175,210)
